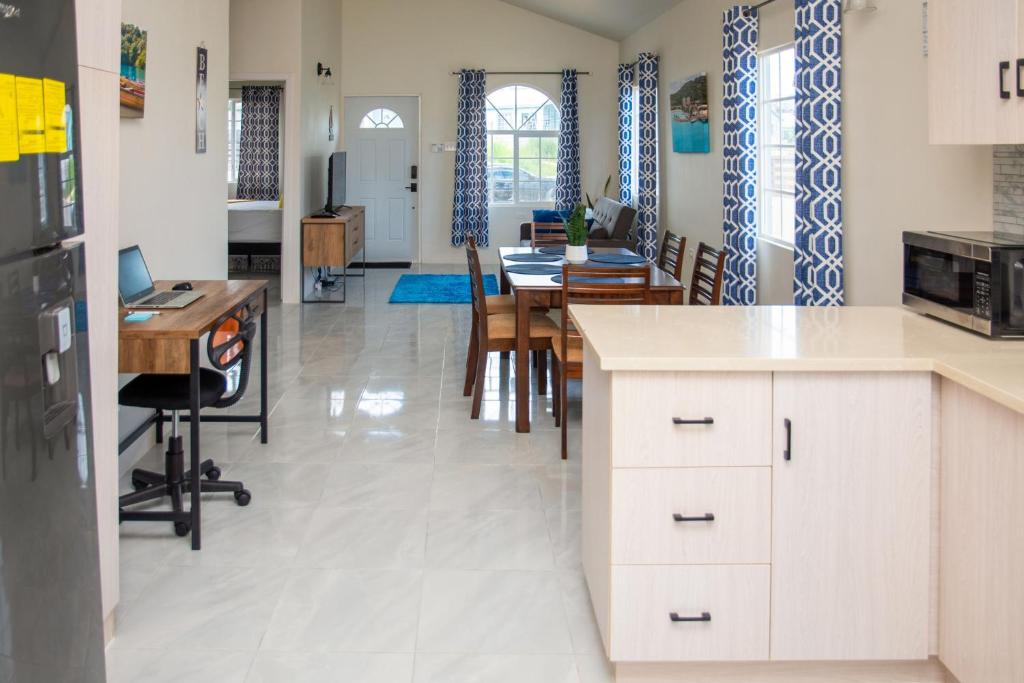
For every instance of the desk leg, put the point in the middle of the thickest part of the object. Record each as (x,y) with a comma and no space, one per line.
(263,373)
(194,429)
(523,302)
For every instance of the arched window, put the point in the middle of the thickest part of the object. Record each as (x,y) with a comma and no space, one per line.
(382,118)
(522,146)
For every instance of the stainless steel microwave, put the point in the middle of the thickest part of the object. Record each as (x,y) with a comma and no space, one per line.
(971,279)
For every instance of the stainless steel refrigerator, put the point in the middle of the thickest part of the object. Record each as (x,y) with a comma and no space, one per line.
(51,620)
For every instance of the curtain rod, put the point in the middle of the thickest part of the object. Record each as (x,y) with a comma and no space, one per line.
(746,12)
(526,73)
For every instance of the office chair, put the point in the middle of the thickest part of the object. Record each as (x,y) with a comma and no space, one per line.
(228,345)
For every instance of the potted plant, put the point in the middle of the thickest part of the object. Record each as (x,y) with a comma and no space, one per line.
(576,232)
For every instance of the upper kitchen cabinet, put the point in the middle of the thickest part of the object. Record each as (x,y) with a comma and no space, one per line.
(976,72)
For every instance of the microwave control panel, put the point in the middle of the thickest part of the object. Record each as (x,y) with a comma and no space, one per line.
(983,293)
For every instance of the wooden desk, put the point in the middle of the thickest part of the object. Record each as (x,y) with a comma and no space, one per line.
(169,344)
(535,291)
(333,243)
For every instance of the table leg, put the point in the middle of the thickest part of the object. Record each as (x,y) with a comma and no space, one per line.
(194,429)
(263,373)
(523,302)
(504,286)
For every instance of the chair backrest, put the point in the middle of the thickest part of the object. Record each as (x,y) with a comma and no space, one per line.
(476,283)
(229,345)
(548,234)
(673,249)
(589,285)
(708,269)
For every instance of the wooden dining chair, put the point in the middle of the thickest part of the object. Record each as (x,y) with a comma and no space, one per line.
(496,332)
(583,285)
(673,251)
(548,235)
(708,269)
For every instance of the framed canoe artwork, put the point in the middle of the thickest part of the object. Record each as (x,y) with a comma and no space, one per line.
(133,72)
(688,100)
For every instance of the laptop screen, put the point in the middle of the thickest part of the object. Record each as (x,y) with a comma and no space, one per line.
(133,279)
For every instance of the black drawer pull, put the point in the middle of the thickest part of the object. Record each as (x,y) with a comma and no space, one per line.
(706,517)
(788,453)
(704,616)
(702,421)
(1020,65)
(1003,90)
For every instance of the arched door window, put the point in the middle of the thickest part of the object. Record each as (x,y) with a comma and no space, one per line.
(522,146)
(381,118)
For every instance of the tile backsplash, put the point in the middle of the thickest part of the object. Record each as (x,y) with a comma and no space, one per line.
(1008,190)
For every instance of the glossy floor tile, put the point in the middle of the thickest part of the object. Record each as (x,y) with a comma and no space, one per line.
(390,538)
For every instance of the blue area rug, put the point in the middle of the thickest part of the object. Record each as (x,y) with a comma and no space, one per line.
(437,289)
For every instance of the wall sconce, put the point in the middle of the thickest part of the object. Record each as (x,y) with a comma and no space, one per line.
(859,6)
(323,71)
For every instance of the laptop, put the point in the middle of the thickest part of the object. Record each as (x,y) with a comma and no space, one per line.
(135,285)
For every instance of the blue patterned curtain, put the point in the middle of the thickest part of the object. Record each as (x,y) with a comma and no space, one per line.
(647,201)
(627,78)
(469,210)
(567,182)
(739,149)
(818,252)
(259,149)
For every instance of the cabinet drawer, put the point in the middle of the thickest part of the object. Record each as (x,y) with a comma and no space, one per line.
(732,598)
(659,419)
(645,503)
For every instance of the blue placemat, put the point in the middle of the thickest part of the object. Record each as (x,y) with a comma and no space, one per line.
(619,259)
(534,269)
(592,280)
(425,288)
(534,258)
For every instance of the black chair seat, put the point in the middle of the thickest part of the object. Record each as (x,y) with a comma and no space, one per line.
(171,392)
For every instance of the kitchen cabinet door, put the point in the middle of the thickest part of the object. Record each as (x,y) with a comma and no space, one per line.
(850,516)
(967,42)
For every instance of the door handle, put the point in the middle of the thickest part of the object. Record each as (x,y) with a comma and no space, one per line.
(413,187)
(1003,68)
(788,453)
(701,421)
(706,517)
(675,618)
(1020,66)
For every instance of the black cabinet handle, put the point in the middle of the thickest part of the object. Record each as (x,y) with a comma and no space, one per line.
(1020,66)
(706,517)
(702,421)
(704,616)
(788,453)
(1003,68)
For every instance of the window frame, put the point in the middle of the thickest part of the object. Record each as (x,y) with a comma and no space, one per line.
(234,143)
(517,134)
(763,146)
(383,125)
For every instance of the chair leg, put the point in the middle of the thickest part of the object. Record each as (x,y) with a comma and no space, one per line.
(147,494)
(542,372)
(556,391)
(535,355)
(471,358)
(564,404)
(481,379)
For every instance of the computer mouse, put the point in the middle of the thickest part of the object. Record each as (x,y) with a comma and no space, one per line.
(182,287)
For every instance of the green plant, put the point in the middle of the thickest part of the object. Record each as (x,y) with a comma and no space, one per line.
(576,226)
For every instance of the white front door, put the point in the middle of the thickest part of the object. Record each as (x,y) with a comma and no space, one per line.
(382,140)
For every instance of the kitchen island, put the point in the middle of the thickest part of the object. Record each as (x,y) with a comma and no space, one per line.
(798,494)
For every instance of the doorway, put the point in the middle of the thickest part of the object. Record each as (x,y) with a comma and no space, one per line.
(382,138)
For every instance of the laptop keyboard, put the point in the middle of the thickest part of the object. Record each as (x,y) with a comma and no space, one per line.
(161,298)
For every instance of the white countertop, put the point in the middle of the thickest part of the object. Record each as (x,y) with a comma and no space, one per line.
(798,339)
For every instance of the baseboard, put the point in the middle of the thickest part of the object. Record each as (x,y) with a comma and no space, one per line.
(927,671)
(381,264)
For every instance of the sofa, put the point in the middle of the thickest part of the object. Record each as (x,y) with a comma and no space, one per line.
(612,226)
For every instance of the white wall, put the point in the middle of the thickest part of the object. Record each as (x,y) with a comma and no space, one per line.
(173,201)
(404,47)
(99,31)
(892,179)
(320,43)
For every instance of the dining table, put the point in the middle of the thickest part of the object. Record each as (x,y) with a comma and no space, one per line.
(543,291)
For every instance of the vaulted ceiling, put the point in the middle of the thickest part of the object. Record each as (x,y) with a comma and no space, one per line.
(613,19)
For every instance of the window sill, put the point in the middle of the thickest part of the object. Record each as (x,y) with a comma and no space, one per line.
(776,242)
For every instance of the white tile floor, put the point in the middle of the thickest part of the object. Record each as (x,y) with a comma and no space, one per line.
(390,538)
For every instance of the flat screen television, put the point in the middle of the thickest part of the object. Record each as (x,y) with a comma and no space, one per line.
(335,183)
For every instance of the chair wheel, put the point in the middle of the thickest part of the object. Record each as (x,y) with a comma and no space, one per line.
(213,474)
(138,484)
(243,497)
(182,528)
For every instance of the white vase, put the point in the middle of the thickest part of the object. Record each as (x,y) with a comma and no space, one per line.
(576,254)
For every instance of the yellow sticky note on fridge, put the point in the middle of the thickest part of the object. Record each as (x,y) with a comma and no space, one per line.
(53,116)
(8,119)
(31,132)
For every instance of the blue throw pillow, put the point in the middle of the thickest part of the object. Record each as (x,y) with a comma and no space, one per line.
(555,216)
